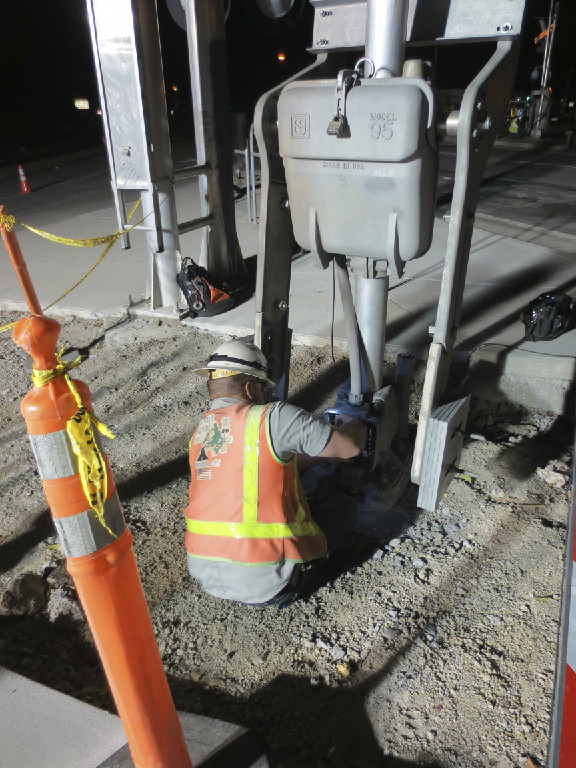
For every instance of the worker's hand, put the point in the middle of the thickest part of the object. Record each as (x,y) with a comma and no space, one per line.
(352,428)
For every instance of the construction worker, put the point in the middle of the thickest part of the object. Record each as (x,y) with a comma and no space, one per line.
(250,534)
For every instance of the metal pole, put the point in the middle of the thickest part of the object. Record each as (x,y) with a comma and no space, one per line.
(385,45)
(118,197)
(371,299)
(351,330)
(253,174)
(543,109)
(247,169)
(386,35)
(126,46)
(220,251)
(17,259)
(165,259)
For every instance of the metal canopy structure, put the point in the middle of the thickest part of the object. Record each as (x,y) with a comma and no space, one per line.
(341,24)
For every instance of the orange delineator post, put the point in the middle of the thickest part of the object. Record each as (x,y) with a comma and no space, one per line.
(106,578)
(13,248)
(100,558)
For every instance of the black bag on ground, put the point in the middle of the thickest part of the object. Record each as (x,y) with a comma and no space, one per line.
(205,296)
(547,316)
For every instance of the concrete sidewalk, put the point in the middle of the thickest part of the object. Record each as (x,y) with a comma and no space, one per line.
(42,727)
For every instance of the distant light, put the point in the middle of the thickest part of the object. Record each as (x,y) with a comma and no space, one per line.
(81,103)
(281,57)
(98,111)
(174,87)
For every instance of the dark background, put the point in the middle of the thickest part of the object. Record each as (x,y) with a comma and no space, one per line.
(46,62)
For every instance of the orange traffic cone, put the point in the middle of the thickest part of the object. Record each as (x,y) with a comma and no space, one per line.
(24,186)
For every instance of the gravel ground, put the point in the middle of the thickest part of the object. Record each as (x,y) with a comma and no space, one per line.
(431,642)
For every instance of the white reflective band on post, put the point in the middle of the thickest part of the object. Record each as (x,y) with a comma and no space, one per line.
(54,455)
(571,643)
(83,533)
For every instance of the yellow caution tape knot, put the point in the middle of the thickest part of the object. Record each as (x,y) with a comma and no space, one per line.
(7,222)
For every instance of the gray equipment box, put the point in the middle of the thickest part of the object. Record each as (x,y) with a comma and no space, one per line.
(371,194)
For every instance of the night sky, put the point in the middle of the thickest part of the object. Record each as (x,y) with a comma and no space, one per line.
(46,62)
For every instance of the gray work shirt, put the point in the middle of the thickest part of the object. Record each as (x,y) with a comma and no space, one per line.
(292,430)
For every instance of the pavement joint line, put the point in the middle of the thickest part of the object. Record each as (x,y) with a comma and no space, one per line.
(553,240)
(488,218)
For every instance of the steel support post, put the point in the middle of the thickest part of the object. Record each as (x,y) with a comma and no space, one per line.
(126,45)
(159,210)
(542,113)
(371,283)
(275,240)
(385,44)
(220,252)
(483,107)
(164,260)
(386,36)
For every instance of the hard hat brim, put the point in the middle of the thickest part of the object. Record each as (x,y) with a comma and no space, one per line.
(205,374)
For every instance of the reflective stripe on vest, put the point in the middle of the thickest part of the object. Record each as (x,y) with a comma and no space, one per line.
(250,528)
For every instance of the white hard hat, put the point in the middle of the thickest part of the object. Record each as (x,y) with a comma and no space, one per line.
(234,357)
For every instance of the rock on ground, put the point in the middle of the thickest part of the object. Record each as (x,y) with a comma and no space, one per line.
(431,642)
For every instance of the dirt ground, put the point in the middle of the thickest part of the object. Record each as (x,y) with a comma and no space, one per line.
(432,642)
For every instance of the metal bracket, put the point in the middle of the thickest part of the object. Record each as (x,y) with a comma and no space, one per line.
(482,111)
(275,236)
(444,439)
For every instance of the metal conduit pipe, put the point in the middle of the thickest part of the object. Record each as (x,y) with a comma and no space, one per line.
(386,35)
(371,310)
(351,329)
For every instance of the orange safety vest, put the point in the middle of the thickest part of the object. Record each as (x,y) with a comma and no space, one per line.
(245,504)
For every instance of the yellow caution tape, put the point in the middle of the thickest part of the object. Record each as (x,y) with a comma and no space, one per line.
(40,378)
(91,466)
(8,223)
(8,326)
(87,242)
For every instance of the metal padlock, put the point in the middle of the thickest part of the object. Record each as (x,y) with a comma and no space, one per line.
(339,127)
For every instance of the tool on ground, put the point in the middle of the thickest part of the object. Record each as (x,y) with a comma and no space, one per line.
(205,295)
